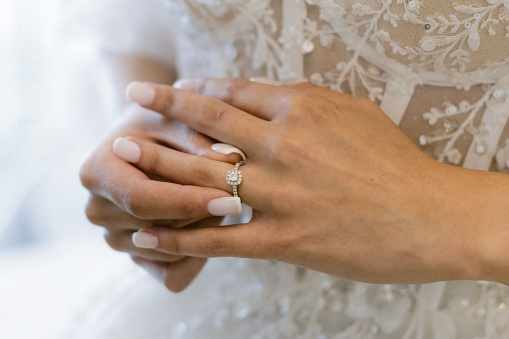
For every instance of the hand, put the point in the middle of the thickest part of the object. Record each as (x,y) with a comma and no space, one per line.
(334,184)
(123,199)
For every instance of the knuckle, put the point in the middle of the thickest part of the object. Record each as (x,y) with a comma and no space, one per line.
(298,104)
(172,244)
(152,161)
(311,109)
(201,85)
(167,101)
(134,204)
(231,88)
(302,100)
(210,114)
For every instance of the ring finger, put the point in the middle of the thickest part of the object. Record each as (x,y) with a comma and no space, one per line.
(183,168)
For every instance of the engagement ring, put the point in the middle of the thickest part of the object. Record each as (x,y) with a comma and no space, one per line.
(234,178)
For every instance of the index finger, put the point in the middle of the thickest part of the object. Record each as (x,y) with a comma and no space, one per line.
(207,115)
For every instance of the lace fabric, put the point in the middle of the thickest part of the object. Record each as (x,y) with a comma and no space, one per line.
(439,69)
(401,54)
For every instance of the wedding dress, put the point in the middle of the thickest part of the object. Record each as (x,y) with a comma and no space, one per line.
(439,69)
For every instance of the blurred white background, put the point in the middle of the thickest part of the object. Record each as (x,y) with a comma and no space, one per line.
(53,110)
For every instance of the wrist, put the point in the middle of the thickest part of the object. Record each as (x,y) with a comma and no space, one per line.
(473,223)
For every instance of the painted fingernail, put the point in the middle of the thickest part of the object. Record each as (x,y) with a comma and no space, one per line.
(228,149)
(127,150)
(265,81)
(145,240)
(225,206)
(185,84)
(140,93)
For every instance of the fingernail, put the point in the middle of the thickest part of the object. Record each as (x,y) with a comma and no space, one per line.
(265,81)
(184,84)
(228,149)
(225,206)
(127,150)
(140,93)
(145,240)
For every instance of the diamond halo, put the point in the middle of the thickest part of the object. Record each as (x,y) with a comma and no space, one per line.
(234,178)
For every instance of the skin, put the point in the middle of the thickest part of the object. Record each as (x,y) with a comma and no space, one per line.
(123,199)
(335,185)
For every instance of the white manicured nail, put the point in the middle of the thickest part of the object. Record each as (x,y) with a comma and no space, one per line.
(265,81)
(228,149)
(225,206)
(127,150)
(140,93)
(184,84)
(145,240)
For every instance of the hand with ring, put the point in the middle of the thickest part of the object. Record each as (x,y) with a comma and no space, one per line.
(334,184)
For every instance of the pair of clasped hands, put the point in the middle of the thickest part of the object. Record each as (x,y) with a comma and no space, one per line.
(334,185)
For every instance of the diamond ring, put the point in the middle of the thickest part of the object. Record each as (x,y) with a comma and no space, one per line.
(234,177)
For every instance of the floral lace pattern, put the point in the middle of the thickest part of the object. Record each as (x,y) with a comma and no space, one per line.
(366,47)
(447,50)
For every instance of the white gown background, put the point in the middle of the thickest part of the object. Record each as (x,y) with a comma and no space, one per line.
(439,69)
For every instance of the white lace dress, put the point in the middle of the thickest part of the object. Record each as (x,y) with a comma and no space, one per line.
(439,69)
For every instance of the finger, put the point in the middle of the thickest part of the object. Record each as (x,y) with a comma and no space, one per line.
(204,114)
(103,212)
(172,133)
(121,241)
(175,276)
(245,95)
(131,190)
(174,166)
(258,98)
(181,273)
(245,240)
(179,136)
(185,169)
(152,200)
